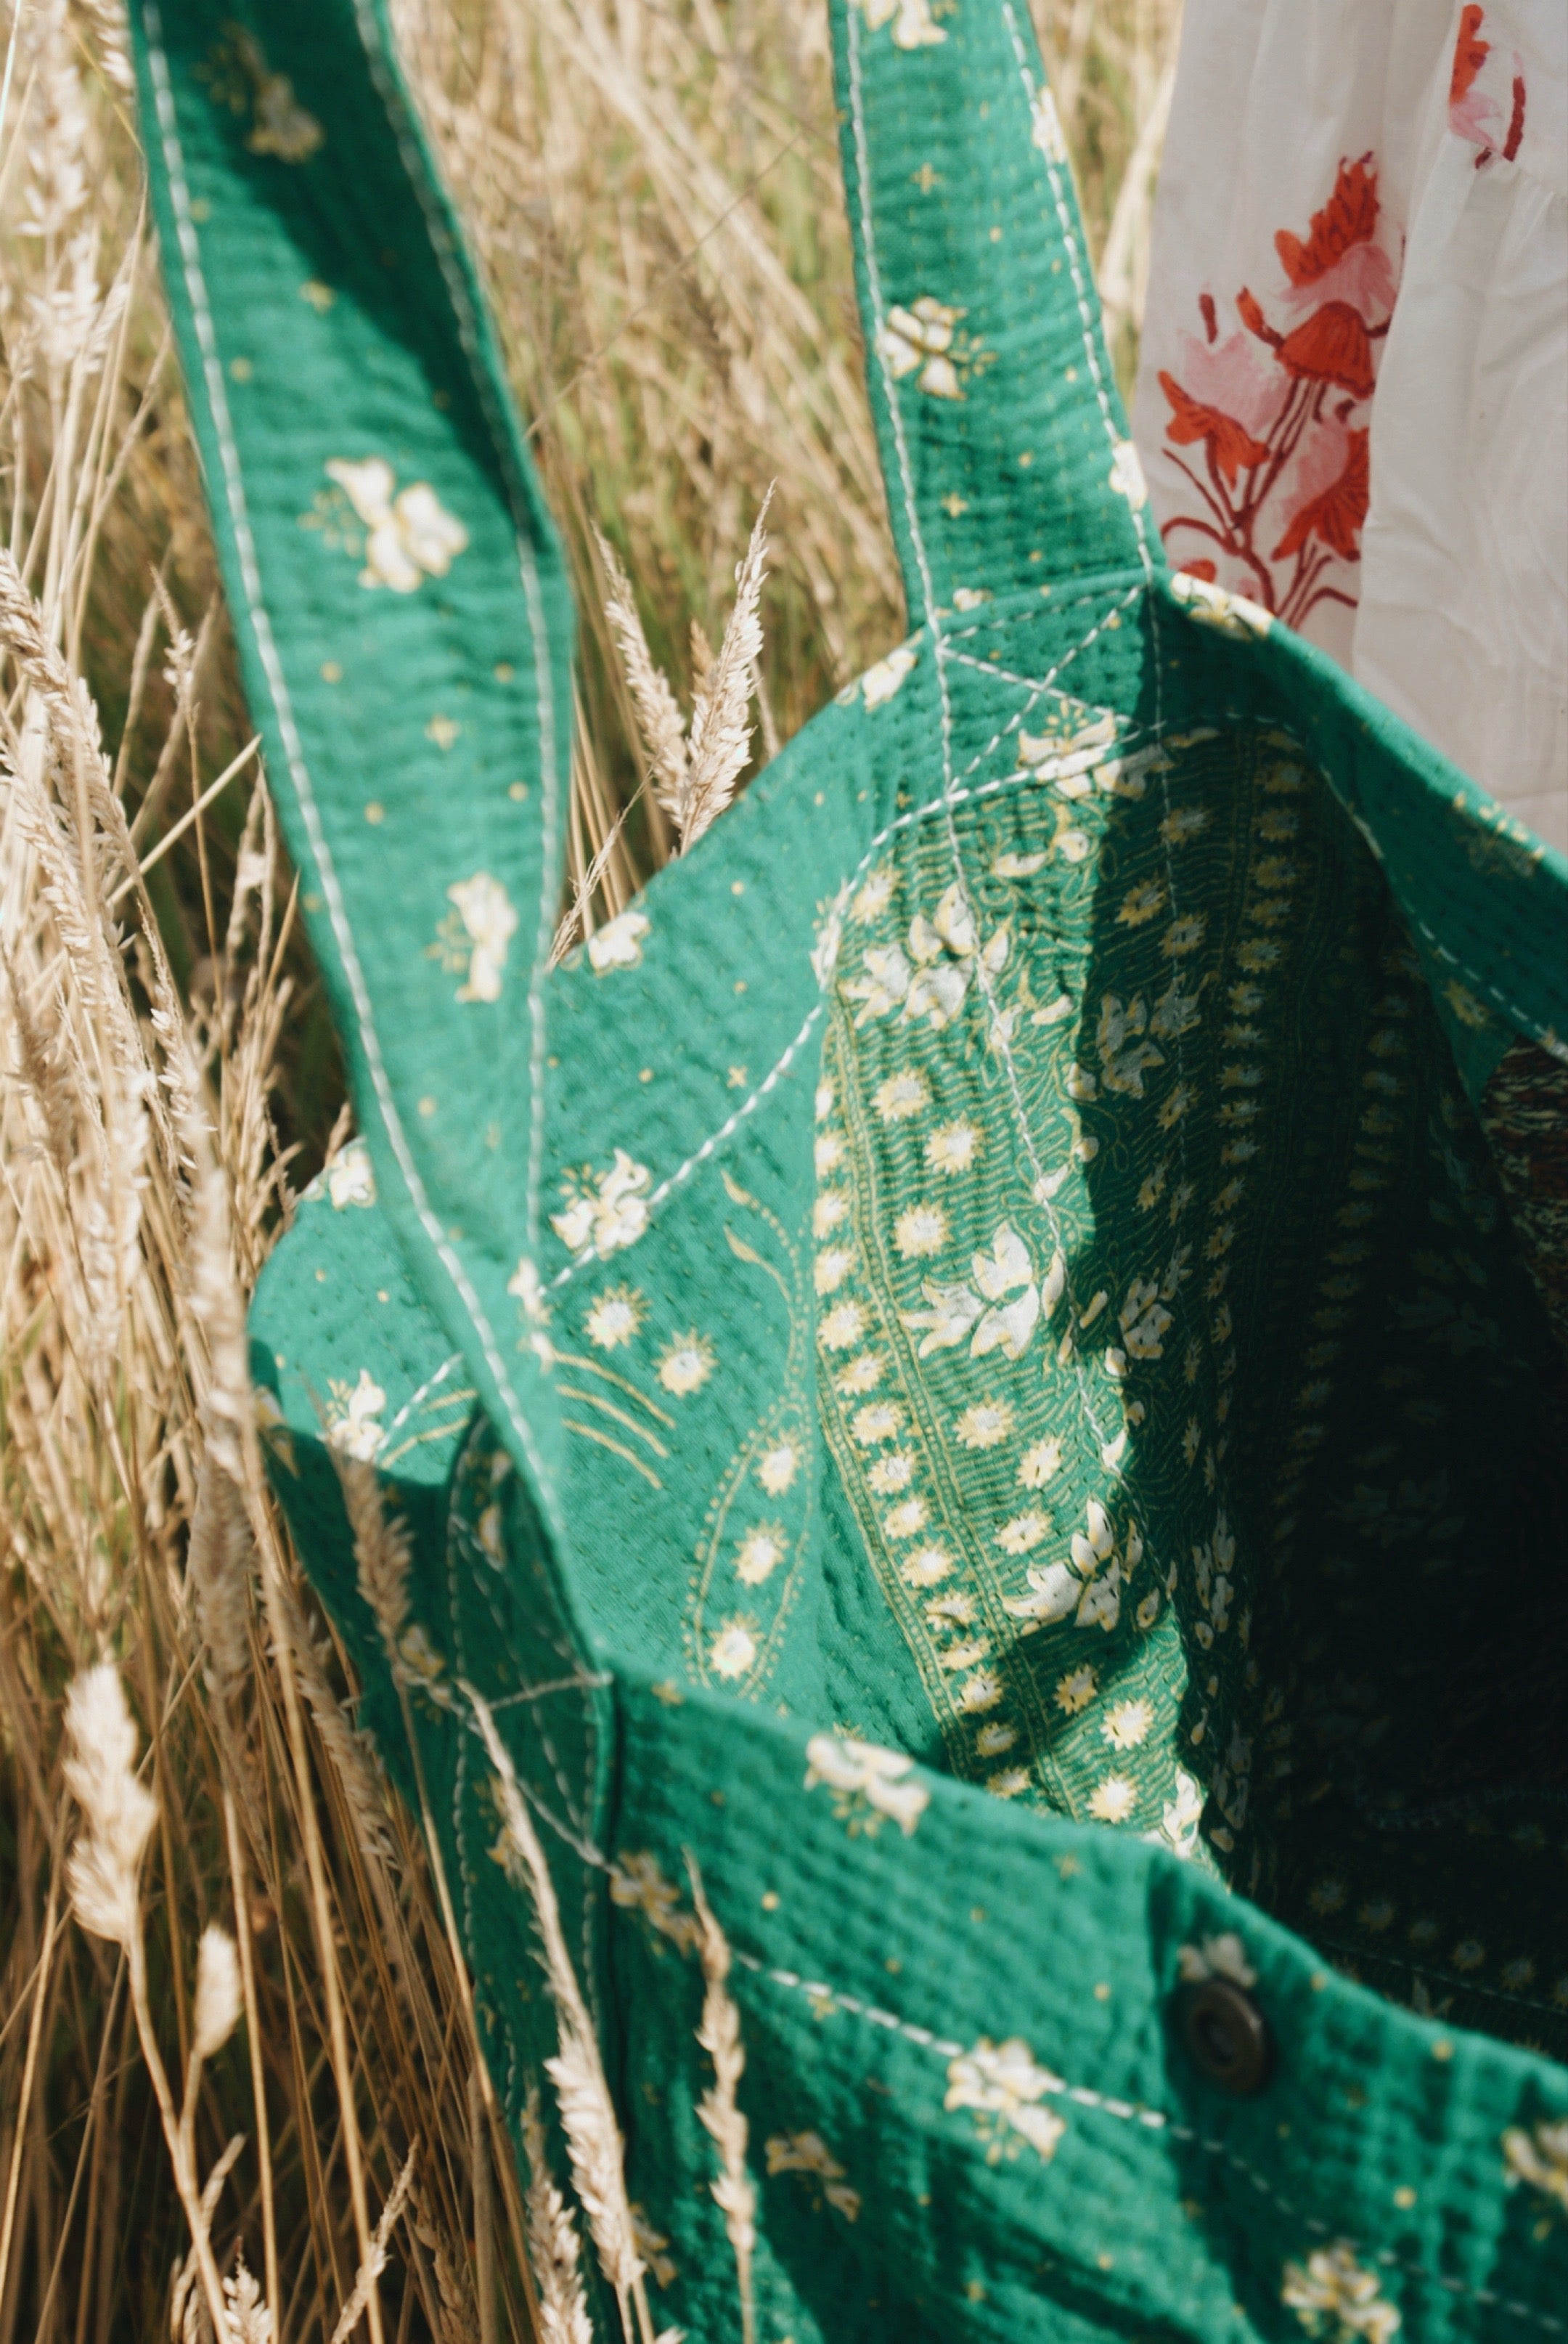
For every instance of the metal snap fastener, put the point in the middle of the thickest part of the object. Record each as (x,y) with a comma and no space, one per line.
(1226,2036)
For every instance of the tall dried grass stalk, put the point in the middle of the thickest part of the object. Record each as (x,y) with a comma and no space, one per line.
(654,194)
(587,2111)
(719,2110)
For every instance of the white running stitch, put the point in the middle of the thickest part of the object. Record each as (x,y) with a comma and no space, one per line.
(425,1388)
(1127,2111)
(266,649)
(912,517)
(901,821)
(417,168)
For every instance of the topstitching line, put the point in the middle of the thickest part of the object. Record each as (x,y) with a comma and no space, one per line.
(1151,2120)
(250,579)
(911,516)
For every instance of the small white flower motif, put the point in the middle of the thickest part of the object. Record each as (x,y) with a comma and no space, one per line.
(1212,606)
(778,1466)
(733,1650)
(1179,1819)
(1040,1463)
(862,1375)
(822,1104)
(992,1739)
(883,983)
(971,597)
(527,1289)
(882,681)
(609,1209)
(953,1148)
(1144,1320)
(618,943)
(807,2153)
(889,1475)
(1331,2287)
(761,1552)
(981,1692)
(352,1417)
(1076,740)
(489,924)
(921,1232)
(686,1363)
(918,342)
(1539,2159)
(349,1178)
(615,1317)
(1009,1783)
(983,1424)
(1126,1726)
(927,1567)
(1047,131)
(1127,475)
(1113,1800)
(1021,1534)
(864,1777)
(832,1267)
(882,1419)
(828,1153)
(1222,1956)
(907,1519)
(902,1095)
(842,1327)
(831,1208)
(914,26)
(408,538)
(872,897)
(1005,2087)
(638,1884)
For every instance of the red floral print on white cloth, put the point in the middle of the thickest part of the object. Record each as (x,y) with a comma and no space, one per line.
(1269,423)
(1486,92)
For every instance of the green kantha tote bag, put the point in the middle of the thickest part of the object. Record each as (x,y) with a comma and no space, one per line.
(975,1393)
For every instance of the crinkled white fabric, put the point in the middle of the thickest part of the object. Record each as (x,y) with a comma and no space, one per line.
(1353,403)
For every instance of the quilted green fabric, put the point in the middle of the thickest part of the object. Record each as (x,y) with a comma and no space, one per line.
(982,1362)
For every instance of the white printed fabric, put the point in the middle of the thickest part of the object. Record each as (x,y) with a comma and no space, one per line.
(1353,404)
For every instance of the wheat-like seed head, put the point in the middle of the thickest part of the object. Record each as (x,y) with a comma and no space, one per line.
(219,1998)
(119,1813)
(719,2110)
(720,736)
(555,2249)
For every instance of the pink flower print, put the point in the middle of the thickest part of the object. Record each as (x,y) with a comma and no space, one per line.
(1475,113)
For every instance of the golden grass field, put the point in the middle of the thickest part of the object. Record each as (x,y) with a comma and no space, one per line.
(236,2072)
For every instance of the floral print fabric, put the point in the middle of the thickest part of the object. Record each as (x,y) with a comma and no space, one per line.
(1354,402)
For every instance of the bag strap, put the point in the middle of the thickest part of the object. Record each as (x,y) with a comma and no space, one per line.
(1006,451)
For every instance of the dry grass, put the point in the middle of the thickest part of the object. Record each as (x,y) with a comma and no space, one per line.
(237,2086)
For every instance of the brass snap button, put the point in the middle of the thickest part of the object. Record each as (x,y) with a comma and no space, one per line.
(1226,2036)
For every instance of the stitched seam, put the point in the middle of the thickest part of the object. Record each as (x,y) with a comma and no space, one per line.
(900,822)
(1150,2119)
(1020,1119)
(438,231)
(250,580)
(1075,266)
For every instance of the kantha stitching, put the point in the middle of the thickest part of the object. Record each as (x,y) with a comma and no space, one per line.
(1152,2120)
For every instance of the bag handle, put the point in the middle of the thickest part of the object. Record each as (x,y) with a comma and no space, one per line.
(1004,444)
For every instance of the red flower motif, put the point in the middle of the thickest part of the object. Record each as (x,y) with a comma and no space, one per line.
(1331,346)
(1469,53)
(1348,217)
(1231,445)
(1336,513)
